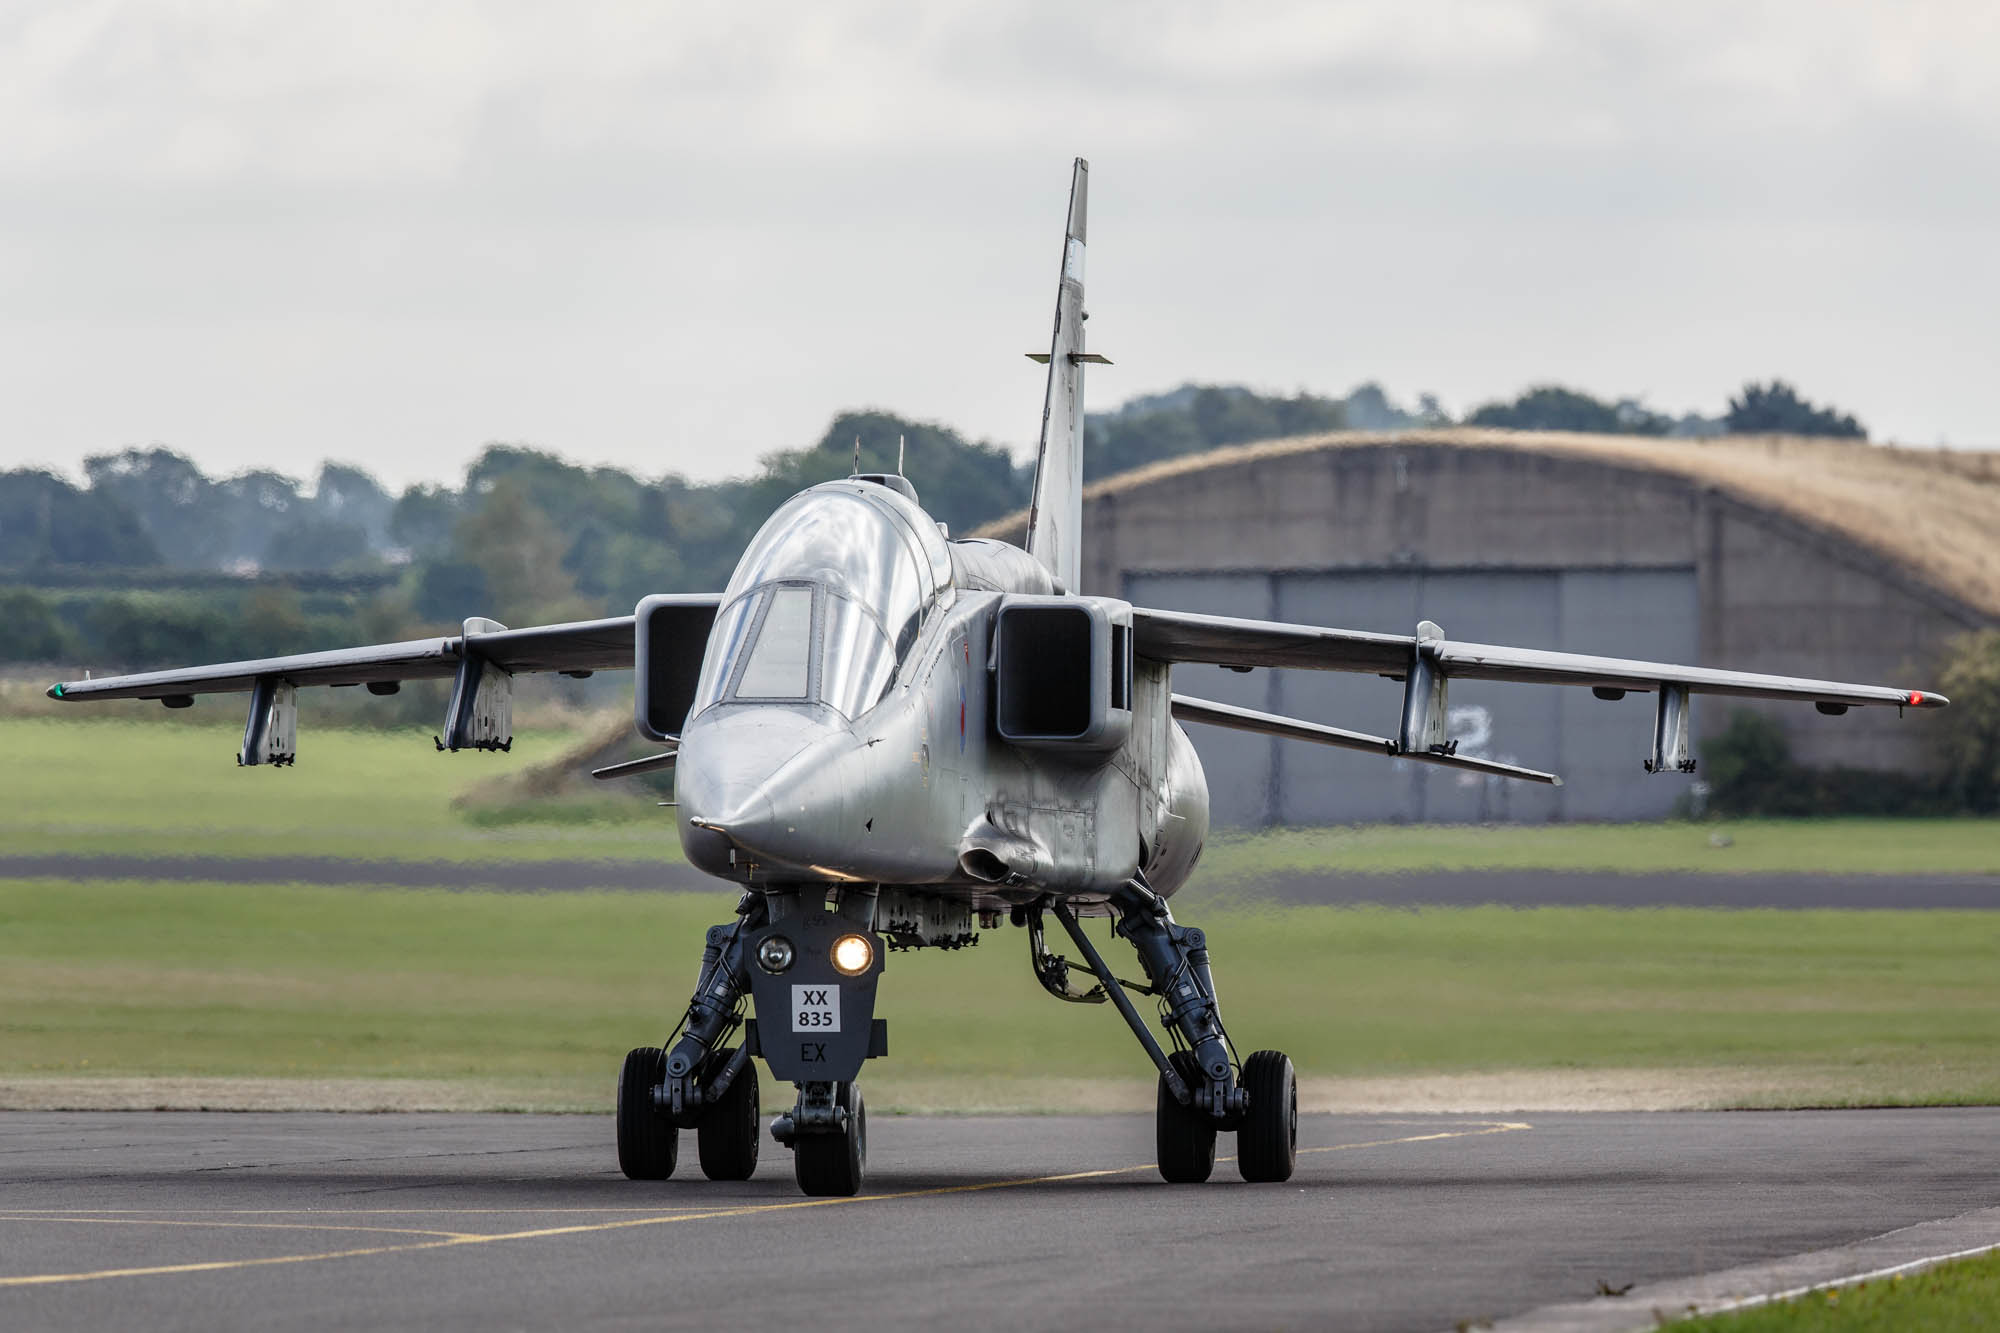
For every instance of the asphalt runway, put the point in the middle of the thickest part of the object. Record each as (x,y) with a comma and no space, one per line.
(191,1221)
(1513,888)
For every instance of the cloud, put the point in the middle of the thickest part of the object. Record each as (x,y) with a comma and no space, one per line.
(680,235)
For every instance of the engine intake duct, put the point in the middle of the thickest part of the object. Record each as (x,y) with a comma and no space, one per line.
(1062,670)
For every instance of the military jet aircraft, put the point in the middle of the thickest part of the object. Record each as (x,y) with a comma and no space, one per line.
(890,739)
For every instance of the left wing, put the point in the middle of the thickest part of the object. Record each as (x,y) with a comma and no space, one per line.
(1427,661)
(1180,636)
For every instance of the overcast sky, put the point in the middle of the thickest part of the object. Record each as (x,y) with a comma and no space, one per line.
(676,237)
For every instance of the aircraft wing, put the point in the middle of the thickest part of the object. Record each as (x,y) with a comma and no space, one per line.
(1233,718)
(481,664)
(581,647)
(1179,636)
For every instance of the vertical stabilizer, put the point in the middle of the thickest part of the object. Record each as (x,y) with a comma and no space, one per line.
(1055,517)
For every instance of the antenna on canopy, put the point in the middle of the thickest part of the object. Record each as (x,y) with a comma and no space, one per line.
(899,455)
(857,453)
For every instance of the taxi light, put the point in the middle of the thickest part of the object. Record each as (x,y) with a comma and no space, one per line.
(774,955)
(852,955)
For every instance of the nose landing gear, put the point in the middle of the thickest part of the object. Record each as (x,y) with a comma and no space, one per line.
(828,1134)
(811,966)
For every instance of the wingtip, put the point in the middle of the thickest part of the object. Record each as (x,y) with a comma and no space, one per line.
(54,691)
(1928,699)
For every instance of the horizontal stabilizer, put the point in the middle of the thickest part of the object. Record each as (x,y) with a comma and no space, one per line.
(1271,724)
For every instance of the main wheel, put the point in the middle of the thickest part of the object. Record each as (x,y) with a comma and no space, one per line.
(727,1133)
(648,1143)
(1186,1136)
(831,1164)
(1267,1144)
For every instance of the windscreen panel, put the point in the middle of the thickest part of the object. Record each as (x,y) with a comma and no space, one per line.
(779,661)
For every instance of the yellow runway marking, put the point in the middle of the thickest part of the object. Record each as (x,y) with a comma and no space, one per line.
(654,1217)
(38,1214)
(87,1216)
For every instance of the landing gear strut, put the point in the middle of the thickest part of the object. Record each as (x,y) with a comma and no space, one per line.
(1200,1092)
(699,1083)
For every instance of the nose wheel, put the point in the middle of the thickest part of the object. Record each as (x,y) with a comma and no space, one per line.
(830,1139)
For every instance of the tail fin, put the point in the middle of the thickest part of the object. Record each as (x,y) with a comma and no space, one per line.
(1055,517)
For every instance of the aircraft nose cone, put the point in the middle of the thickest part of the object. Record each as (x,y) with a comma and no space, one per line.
(736,770)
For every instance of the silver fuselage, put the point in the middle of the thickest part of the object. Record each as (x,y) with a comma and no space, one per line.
(916,789)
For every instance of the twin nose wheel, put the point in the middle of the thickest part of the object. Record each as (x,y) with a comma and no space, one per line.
(1266,1139)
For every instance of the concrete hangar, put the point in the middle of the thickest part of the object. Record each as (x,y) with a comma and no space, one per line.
(1804,557)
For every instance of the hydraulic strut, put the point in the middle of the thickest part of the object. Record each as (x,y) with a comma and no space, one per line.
(1116,990)
(1175,958)
(695,1076)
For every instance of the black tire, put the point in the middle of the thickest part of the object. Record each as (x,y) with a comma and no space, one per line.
(648,1143)
(1186,1137)
(727,1134)
(832,1164)
(1267,1144)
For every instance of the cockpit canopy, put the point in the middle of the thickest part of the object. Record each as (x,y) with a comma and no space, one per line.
(827,601)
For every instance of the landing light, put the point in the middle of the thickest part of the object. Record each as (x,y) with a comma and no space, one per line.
(852,954)
(774,955)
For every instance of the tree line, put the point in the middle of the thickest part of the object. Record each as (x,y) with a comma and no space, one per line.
(527,536)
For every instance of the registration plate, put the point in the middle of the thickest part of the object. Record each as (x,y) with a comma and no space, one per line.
(815,1008)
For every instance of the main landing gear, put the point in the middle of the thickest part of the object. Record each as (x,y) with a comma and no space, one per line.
(701,1083)
(1200,1090)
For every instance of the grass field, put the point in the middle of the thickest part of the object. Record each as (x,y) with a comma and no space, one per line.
(537,997)
(1961,1297)
(1751,846)
(534,999)
(156,786)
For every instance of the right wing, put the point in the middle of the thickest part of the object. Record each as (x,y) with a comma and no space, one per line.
(481,664)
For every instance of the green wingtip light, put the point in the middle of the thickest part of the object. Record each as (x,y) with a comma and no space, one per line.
(56,691)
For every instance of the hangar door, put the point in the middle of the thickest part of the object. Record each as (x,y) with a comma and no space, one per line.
(1595,745)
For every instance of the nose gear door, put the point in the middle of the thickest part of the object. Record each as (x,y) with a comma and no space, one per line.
(815,1007)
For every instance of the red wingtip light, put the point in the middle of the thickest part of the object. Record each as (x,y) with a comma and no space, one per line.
(1916,698)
